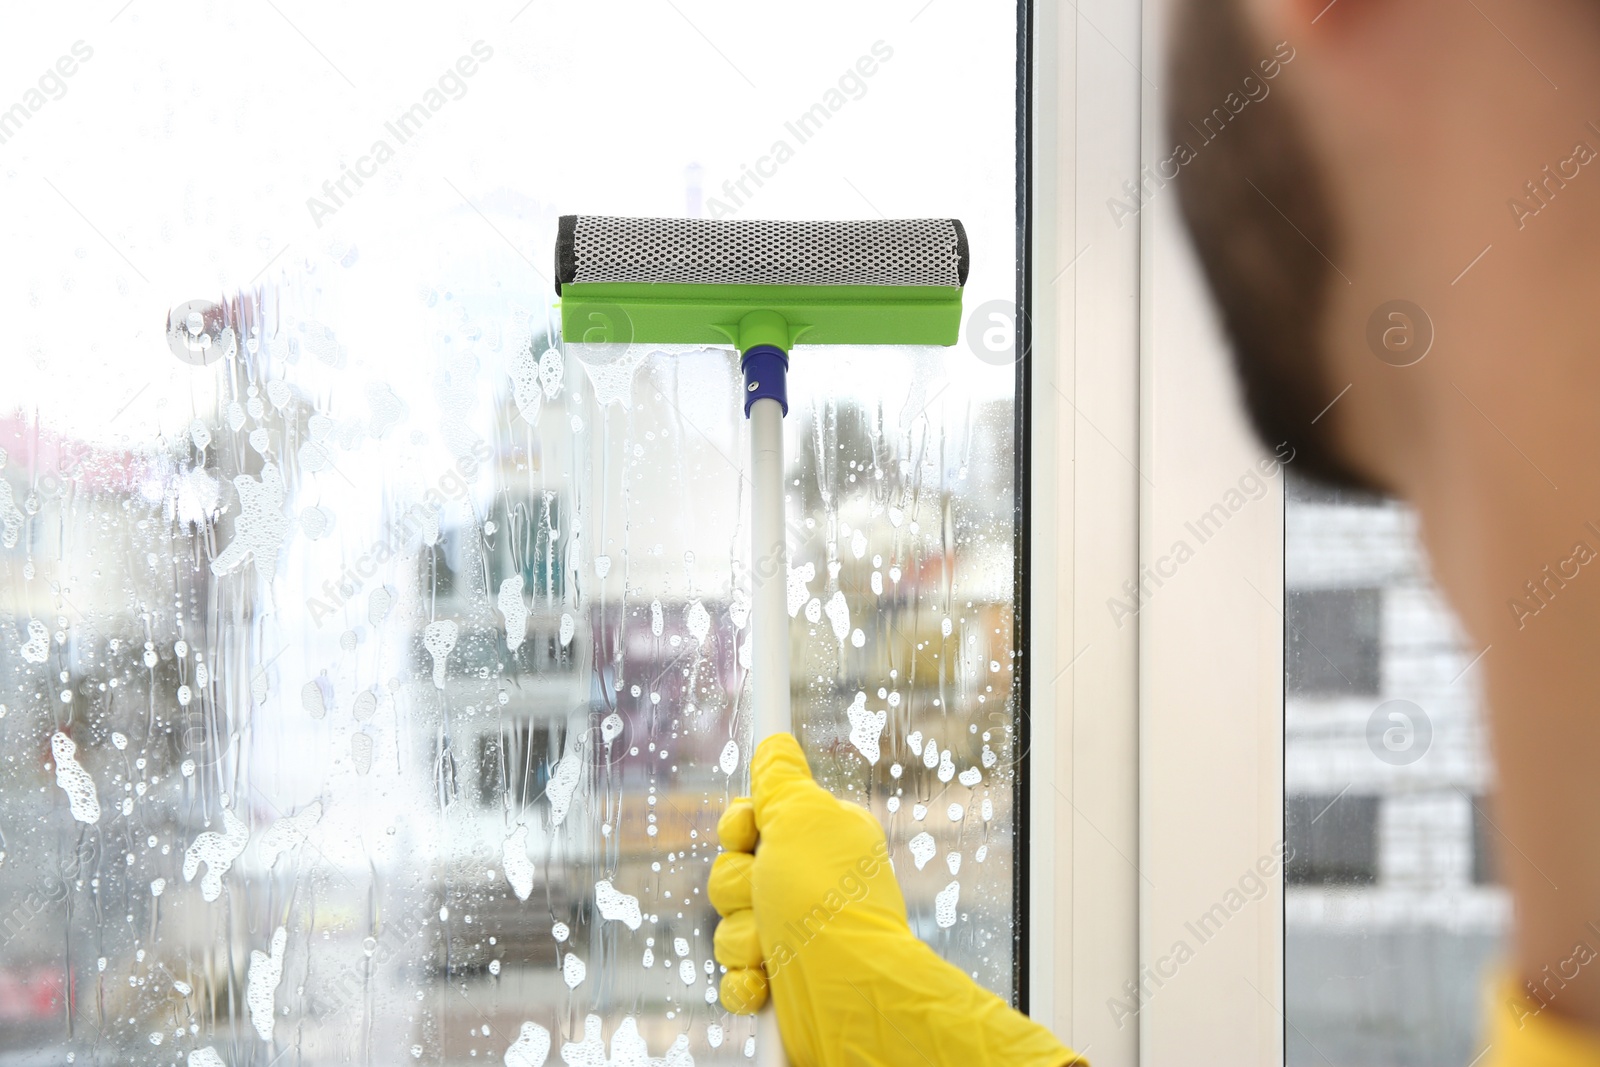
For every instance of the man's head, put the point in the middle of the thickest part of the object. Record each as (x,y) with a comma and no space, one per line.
(1404,239)
(1250,162)
(1340,218)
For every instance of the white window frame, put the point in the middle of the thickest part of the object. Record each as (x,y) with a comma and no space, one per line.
(1156,758)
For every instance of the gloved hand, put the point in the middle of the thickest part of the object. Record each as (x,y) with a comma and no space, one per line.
(816,916)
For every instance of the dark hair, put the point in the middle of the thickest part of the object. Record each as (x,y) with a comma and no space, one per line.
(1255,205)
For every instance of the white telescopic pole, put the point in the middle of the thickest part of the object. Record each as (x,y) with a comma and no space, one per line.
(769,616)
(769,652)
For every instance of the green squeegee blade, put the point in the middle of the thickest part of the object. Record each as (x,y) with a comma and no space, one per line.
(694,281)
(666,313)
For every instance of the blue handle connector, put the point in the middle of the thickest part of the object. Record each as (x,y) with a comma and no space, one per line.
(766,370)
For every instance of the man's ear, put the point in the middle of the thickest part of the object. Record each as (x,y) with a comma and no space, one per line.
(1274,20)
(1317,24)
(1306,16)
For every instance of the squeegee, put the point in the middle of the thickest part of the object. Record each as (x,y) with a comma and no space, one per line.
(762,287)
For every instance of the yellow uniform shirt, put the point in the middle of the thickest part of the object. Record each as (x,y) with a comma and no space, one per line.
(1522,1034)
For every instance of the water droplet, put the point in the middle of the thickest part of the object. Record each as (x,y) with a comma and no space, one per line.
(699,621)
(572,971)
(361,752)
(944,905)
(439,638)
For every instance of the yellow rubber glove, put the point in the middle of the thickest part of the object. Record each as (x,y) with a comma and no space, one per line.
(1525,1033)
(817,915)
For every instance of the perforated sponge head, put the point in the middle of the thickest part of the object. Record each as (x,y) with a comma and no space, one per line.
(698,281)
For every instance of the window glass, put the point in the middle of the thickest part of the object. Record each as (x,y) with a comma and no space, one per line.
(372,664)
(1391,908)
(1335,839)
(1334,646)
